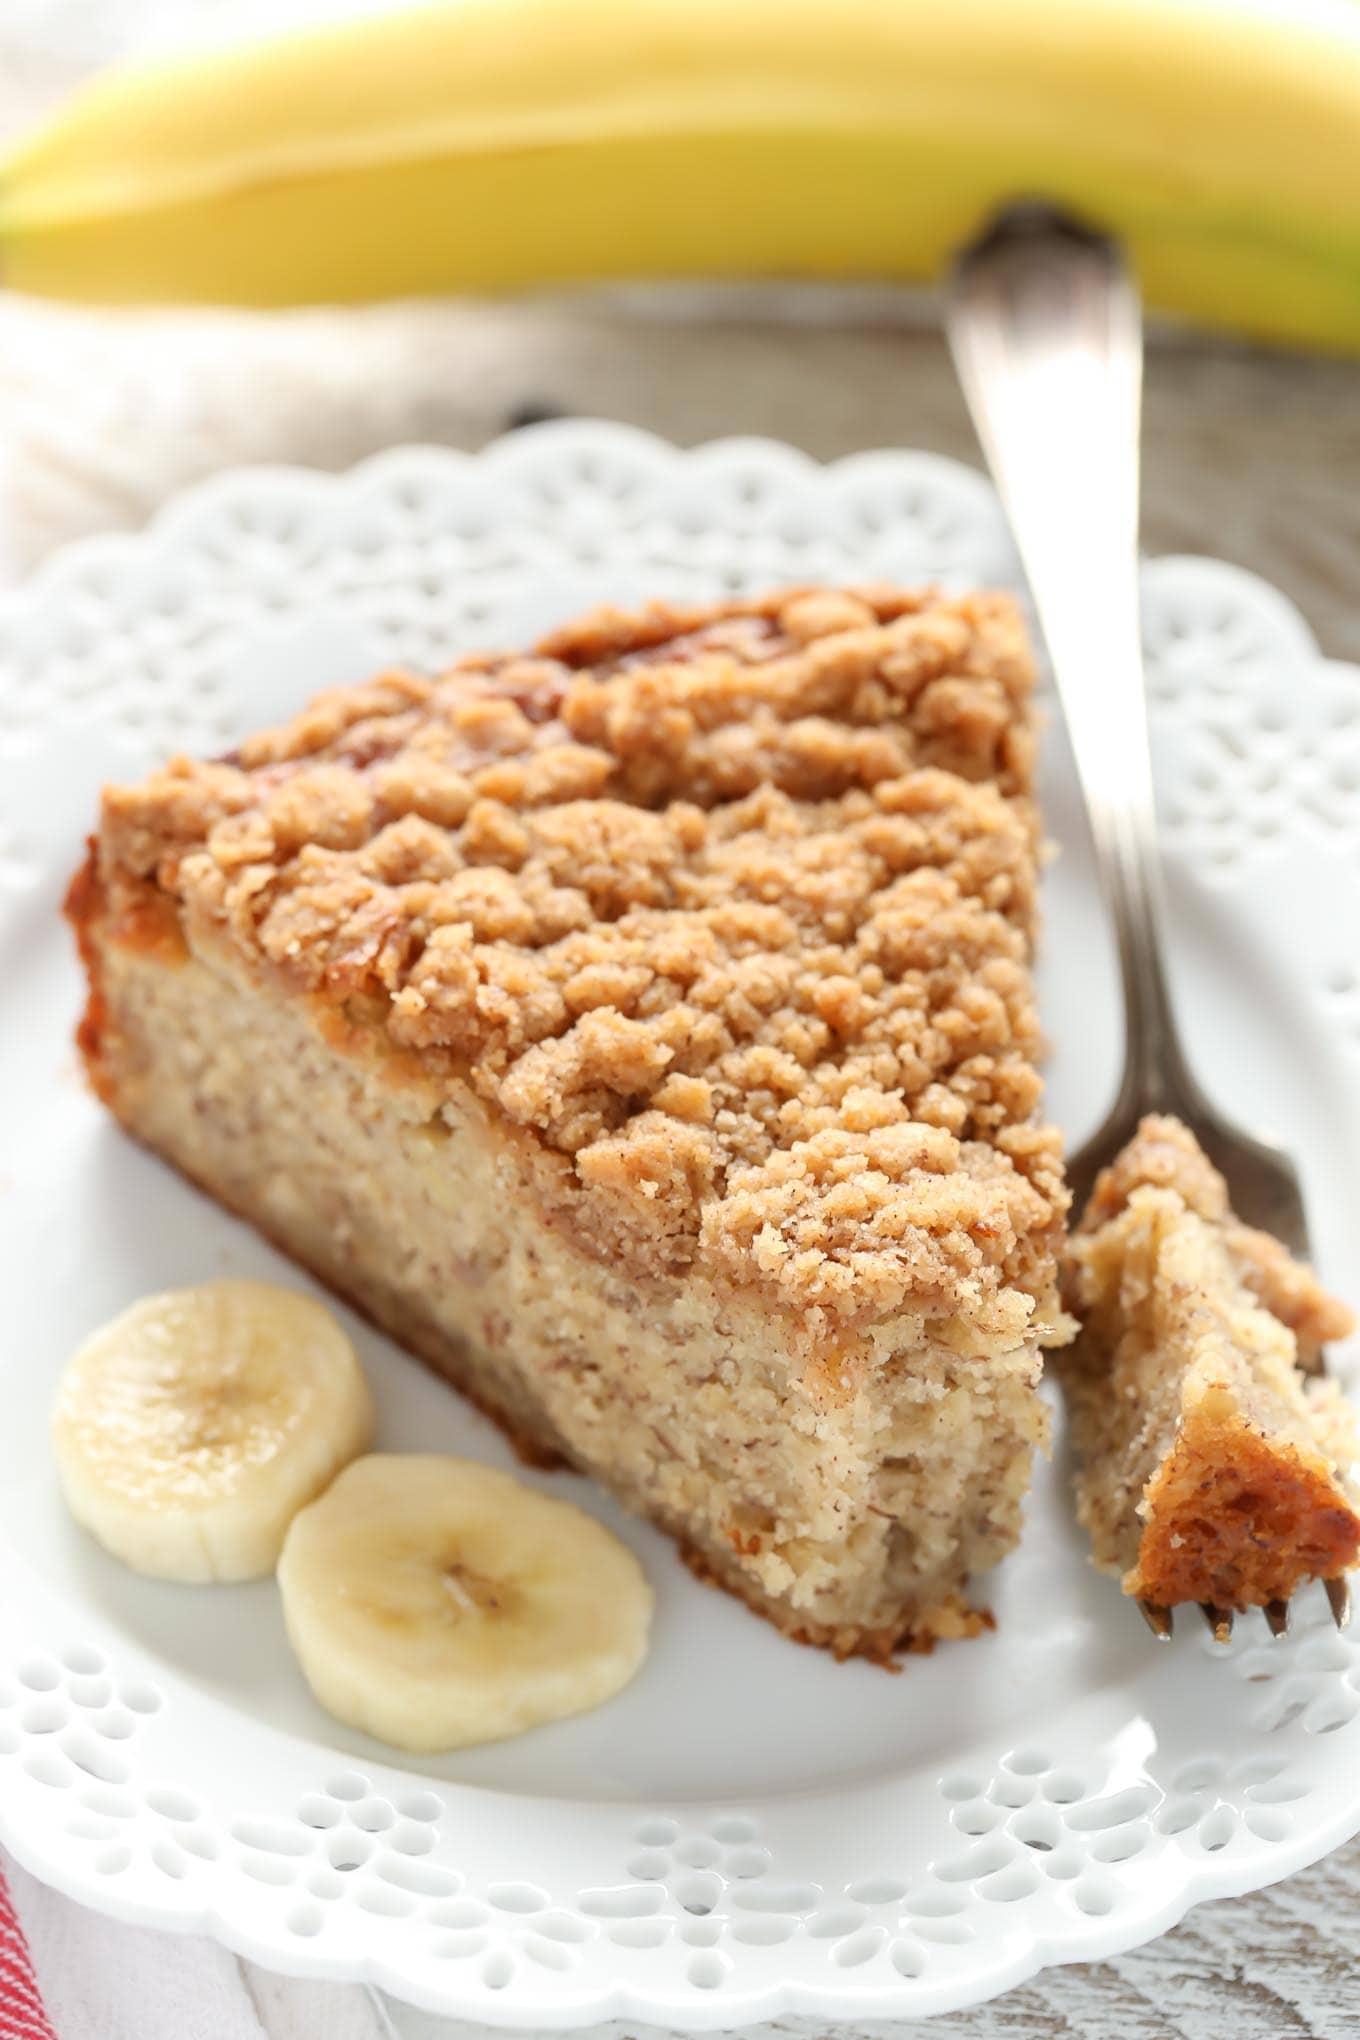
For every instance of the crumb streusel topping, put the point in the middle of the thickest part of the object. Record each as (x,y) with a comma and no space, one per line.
(730,906)
(1164,1155)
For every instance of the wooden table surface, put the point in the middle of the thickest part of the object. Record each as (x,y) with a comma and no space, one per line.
(1250,457)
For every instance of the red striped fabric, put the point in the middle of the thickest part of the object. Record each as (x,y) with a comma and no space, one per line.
(22,2016)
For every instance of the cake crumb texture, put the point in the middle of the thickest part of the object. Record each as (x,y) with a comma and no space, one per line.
(1209,1467)
(1165,1153)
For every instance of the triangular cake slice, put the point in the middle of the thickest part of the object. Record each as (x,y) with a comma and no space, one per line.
(642,1032)
(1209,1467)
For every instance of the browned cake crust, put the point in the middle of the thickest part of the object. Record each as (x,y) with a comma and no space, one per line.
(1237,1518)
(1209,1469)
(717,921)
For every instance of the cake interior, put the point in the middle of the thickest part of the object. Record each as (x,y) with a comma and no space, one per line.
(852,1513)
(1209,1467)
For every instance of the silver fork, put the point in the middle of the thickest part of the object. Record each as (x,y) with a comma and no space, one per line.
(1046,333)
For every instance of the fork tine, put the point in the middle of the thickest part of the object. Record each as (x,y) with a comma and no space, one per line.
(1277,1617)
(1157,1618)
(1339,1596)
(1219,1620)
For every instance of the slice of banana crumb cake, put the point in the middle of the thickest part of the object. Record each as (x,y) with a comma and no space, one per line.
(642,1032)
(1209,1468)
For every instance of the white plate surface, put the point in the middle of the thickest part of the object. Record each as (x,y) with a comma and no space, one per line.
(751,1829)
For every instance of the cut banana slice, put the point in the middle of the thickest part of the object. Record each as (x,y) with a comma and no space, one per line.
(191,1430)
(435,1602)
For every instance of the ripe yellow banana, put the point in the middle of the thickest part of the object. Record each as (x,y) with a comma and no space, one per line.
(190,1430)
(494,144)
(435,1602)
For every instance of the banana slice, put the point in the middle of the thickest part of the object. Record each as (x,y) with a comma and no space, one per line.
(191,1430)
(435,1602)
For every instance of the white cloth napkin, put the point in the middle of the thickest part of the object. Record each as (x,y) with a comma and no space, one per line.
(97,1979)
(100,1980)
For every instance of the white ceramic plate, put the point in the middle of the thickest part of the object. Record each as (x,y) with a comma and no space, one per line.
(750,1829)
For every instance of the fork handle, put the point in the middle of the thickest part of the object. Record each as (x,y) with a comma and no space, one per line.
(1045,330)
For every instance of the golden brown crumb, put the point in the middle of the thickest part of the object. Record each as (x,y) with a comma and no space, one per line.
(731,906)
(1162,1155)
(1236,1518)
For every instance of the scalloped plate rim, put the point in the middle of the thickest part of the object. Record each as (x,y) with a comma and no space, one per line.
(850,1994)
